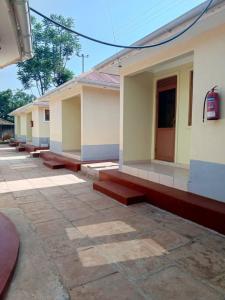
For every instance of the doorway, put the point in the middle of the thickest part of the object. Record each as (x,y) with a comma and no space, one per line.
(166,119)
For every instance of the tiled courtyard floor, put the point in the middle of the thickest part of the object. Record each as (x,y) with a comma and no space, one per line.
(79,244)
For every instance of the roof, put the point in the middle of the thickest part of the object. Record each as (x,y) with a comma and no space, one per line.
(15,32)
(99,78)
(91,78)
(156,35)
(28,107)
(5,122)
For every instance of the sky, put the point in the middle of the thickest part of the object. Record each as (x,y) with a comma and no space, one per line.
(120,21)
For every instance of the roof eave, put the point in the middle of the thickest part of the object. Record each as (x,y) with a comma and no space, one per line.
(23,28)
(157,33)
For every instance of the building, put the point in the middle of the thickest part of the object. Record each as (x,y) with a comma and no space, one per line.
(32,124)
(85,117)
(6,129)
(162,134)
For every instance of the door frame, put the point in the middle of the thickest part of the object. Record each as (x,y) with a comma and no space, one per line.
(156,95)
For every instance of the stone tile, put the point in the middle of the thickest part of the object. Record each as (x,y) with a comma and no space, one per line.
(213,240)
(168,239)
(78,213)
(173,283)
(102,203)
(35,207)
(68,203)
(199,260)
(110,287)
(175,223)
(90,196)
(36,197)
(97,218)
(51,228)
(56,196)
(55,190)
(219,282)
(44,215)
(75,273)
(61,245)
(106,228)
(141,223)
(7,200)
(118,212)
(77,190)
(24,193)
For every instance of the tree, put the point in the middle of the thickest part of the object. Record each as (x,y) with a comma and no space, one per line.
(53,48)
(10,101)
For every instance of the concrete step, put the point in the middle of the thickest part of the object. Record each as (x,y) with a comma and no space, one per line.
(52,164)
(124,195)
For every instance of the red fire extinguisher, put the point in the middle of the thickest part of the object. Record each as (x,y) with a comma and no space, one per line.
(212,99)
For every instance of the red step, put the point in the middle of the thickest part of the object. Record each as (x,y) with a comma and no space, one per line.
(9,249)
(20,148)
(13,144)
(202,210)
(119,192)
(32,148)
(69,163)
(34,154)
(52,164)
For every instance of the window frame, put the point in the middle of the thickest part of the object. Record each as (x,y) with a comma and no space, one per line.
(46,109)
(190,104)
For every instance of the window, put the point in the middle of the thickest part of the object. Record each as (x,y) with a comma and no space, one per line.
(190,99)
(47,115)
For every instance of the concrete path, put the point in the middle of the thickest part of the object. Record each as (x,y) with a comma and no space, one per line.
(79,244)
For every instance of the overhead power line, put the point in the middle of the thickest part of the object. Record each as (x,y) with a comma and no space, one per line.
(125,46)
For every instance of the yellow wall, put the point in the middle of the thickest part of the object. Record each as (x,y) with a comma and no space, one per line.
(55,107)
(44,130)
(23,124)
(137,114)
(17,125)
(208,139)
(29,128)
(35,119)
(71,124)
(100,116)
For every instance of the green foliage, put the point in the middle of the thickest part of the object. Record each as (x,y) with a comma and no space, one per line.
(10,101)
(53,48)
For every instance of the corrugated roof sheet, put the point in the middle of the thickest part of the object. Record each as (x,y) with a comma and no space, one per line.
(5,122)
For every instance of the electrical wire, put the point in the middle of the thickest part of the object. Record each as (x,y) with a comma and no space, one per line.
(125,46)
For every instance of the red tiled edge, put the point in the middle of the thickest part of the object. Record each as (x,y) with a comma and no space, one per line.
(32,148)
(14,144)
(9,250)
(202,210)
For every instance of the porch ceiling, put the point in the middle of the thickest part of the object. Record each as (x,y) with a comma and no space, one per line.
(172,63)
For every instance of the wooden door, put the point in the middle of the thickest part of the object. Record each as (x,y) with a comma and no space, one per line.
(166,119)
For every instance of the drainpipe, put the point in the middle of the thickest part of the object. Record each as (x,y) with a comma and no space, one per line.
(22,16)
